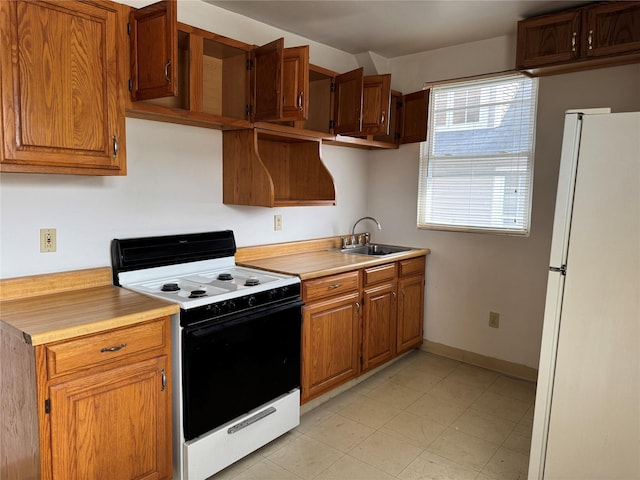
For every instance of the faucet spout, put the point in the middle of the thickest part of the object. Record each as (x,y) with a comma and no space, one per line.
(353,230)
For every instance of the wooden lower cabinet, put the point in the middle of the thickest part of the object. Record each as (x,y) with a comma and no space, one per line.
(100,408)
(330,344)
(349,329)
(379,315)
(112,424)
(410,304)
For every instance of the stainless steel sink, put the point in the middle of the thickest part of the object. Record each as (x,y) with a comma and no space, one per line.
(375,249)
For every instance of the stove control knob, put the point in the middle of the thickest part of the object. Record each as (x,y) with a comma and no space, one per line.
(214,309)
(231,305)
(251,301)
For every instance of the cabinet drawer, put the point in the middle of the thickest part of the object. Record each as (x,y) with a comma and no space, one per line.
(83,352)
(412,266)
(330,286)
(380,273)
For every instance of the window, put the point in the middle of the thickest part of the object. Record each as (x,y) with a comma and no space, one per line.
(476,167)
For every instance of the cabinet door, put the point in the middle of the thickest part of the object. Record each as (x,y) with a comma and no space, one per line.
(410,312)
(548,39)
(347,100)
(154,51)
(379,325)
(113,424)
(612,29)
(62,105)
(415,108)
(376,104)
(330,341)
(267,81)
(295,83)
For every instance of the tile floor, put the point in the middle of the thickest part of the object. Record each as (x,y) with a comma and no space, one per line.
(423,417)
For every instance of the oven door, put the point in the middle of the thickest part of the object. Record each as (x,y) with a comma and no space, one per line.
(238,365)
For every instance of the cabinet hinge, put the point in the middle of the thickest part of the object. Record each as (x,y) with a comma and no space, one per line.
(249,110)
(332,124)
(399,104)
(396,136)
(249,64)
(47,406)
(129,29)
(333,86)
(130,85)
(361,360)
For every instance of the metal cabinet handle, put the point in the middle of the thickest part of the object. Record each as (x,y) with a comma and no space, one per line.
(300,101)
(382,117)
(395,296)
(573,41)
(113,349)
(116,146)
(334,286)
(166,72)
(590,39)
(404,294)
(164,379)
(358,306)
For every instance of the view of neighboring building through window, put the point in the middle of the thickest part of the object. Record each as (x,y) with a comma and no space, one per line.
(476,167)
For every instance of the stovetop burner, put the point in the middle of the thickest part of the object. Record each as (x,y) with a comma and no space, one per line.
(225,276)
(170,287)
(198,293)
(252,281)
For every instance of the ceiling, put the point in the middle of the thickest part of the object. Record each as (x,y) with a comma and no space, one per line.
(394,28)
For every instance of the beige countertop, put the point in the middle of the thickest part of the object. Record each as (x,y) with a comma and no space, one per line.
(45,314)
(312,259)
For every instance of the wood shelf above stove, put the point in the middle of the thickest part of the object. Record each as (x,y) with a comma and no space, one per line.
(274,169)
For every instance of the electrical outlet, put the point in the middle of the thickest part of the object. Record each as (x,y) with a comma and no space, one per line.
(494,319)
(277,222)
(47,240)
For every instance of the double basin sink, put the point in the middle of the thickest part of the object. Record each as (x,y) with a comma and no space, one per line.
(372,249)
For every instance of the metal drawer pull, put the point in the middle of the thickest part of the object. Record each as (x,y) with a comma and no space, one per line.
(256,418)
(164,379)
(116,147)
(300,101)
(590,39)
(113,349)
(573,41)
(334,286)
(166,72)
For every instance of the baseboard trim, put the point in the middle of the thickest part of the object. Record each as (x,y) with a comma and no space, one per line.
(508,368)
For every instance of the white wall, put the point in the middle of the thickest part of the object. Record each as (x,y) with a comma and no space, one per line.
(469,274)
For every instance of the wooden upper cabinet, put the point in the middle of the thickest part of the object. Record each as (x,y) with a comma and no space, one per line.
(548,39)
(347,111)
(415,107)
(376,104)
(295,83)
(153,32)
(612,29)
(267,66)
(604,34)
(62,100)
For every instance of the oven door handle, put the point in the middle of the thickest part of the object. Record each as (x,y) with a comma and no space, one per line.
(240,318)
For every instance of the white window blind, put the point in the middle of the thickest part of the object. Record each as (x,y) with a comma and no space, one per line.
(476,167)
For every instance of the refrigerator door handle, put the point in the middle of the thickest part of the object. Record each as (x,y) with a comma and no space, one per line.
(562,270)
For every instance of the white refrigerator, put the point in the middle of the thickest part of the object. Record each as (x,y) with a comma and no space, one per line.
(587,411)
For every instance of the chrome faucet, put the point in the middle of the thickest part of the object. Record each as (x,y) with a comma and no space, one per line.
(366,235)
